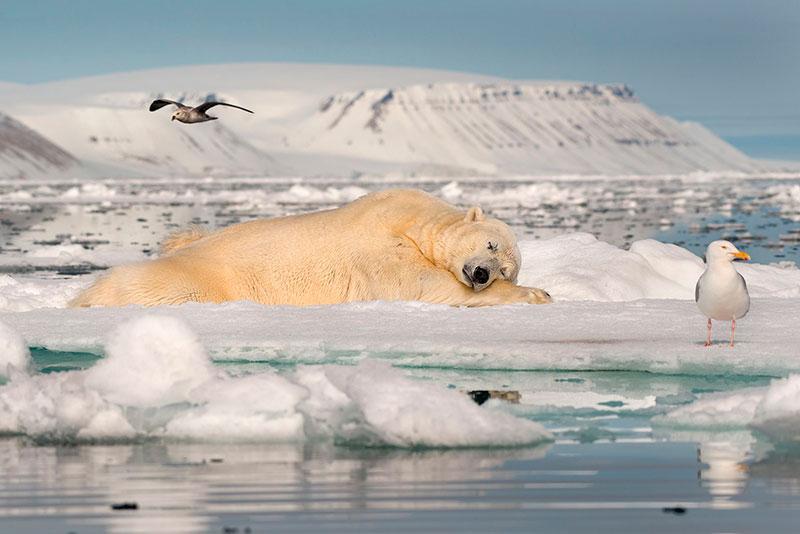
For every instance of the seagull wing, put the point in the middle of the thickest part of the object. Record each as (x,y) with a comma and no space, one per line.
(697,291)
(160,103)
(744,283)
(205,106)
(746,293)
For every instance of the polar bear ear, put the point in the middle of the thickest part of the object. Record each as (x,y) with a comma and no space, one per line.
(474,214)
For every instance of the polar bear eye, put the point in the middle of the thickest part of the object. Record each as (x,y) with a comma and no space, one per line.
(492,246)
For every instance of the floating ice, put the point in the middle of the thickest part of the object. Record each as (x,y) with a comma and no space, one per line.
(151,361)
(774,410)
(157,381)
(384,407)
(14,353)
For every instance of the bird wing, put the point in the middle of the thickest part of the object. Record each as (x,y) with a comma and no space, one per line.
(160,103)
(744,283)
(697,289)
(205,106)
(747,293)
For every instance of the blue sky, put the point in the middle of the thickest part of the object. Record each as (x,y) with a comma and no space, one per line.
(733,64)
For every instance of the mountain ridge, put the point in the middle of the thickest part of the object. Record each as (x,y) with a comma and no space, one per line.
(328,119)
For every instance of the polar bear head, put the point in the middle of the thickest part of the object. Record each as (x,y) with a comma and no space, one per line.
(480,250)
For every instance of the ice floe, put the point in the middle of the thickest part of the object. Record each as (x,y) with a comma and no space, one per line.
(773,410)
(575,266)
(14,353)
(157,382)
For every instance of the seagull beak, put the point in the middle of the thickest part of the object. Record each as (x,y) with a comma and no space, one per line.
(172,119)
(739,255)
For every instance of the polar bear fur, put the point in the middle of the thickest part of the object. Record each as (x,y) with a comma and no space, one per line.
(391,245)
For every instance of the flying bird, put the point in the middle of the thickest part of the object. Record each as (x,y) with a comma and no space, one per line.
(190,115)
(721,292)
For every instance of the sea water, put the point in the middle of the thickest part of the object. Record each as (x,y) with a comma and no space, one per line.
(609,458)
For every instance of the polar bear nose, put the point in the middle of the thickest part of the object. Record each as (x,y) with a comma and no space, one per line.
(480,275)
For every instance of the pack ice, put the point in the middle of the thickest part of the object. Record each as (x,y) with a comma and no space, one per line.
(157,381)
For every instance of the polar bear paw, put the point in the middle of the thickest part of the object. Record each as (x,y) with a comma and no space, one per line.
(538,296)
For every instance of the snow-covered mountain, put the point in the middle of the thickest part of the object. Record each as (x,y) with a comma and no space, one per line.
(329,119)
(26,154)
(512,127)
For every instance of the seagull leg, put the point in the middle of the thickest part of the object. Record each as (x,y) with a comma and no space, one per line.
(708,337)
(733,330)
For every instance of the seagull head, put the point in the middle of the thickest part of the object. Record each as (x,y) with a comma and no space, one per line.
(724,251)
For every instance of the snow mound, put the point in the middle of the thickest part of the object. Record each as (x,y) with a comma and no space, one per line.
(14,352)
(387,408)
(157,381)
(579,267)
(21,293)
(151,361)
(774,410)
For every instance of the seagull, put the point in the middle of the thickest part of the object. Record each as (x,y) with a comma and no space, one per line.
(190,115)
(721,292)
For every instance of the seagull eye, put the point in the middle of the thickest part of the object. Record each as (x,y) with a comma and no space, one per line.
(725,247)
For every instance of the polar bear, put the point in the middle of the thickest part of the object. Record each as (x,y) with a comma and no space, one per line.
(390,245)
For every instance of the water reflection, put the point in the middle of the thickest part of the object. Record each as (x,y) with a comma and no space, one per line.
(185,487)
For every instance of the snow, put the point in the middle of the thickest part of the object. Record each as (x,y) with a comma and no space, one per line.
(345,120)
(160,354)
(14,353)
(773,410)
(24,153)
(579,267)
(22,293)
(513,127)
(648,289)
(575,266)
(157,381)
(628,309)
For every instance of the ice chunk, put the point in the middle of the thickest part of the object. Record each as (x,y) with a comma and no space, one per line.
(774,410)
(717,410)
(14,353)
(778,413)
(259,407)
(152,360)
(158,381)
(21,293)
(384,407)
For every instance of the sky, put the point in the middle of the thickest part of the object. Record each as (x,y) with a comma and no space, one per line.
(732,64)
